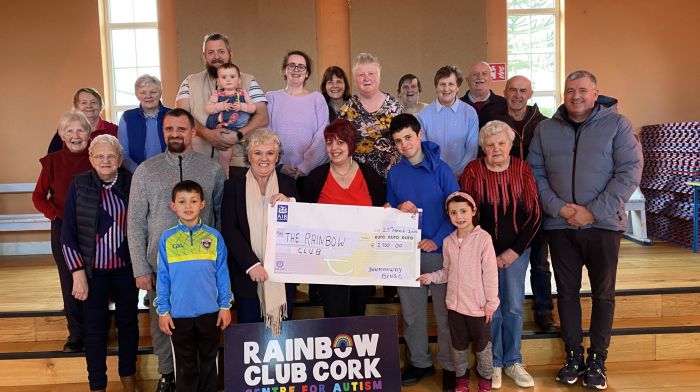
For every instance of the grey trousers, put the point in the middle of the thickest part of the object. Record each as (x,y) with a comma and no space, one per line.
(414,304)
(161,341)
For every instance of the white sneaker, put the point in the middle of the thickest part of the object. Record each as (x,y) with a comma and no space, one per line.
(496,378)
(521,377)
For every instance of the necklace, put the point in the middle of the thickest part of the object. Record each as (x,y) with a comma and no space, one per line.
(111,184)
(352,165)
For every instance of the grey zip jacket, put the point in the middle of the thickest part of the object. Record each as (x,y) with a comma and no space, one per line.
(598,167)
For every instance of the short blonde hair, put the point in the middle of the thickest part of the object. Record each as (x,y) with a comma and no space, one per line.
(71,116)
(366,58)
(495,127)
(262,136)
(109,140)
(145,79)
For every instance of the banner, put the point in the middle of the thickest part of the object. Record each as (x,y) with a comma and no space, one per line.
(324,355)
(337,244)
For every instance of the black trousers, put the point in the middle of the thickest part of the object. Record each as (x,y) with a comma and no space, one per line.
(344,301)
(540,275)
(121,285)
(196,344)
(598,250)
(71,306)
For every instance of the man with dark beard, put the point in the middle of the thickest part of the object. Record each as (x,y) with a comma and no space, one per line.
(150,215)
(196,90)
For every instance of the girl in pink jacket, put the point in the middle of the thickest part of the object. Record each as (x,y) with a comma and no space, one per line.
(471,273)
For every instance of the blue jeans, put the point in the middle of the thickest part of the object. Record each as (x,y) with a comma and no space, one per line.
(507,324)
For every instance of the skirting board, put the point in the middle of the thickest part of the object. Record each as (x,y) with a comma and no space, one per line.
(25,248)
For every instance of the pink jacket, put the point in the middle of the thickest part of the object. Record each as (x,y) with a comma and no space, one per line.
(471,273)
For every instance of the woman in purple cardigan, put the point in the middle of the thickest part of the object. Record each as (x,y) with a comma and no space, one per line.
(299,117)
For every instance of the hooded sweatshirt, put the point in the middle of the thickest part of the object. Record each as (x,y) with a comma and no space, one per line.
(427,185)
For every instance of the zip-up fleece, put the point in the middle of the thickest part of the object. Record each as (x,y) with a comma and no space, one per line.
(598,167)
(471,273)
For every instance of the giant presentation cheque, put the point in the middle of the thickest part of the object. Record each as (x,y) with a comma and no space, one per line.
(337,244)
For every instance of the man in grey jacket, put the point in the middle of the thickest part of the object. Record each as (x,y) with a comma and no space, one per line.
(587,162)
(150,215)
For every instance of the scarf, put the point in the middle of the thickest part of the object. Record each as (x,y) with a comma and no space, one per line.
(272,295)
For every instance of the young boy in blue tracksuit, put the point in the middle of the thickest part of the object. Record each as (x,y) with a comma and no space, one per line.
(193,291)
(421,180)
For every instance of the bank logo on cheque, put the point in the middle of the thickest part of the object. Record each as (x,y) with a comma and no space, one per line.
(282,213)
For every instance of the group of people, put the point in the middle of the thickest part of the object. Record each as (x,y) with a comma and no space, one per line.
(497,182)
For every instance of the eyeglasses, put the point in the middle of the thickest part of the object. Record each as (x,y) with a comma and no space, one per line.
(296,67)
(109,158)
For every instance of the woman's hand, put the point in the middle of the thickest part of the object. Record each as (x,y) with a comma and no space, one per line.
(258,273)
(505,259)
(427,245)
(166,324)
(290,171)
(80,285)
(408,206)
(425,279)
(279,197)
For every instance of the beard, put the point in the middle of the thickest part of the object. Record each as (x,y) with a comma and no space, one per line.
(176,145)
(212,69)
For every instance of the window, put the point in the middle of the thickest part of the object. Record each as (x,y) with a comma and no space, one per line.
(534,48)
(132,50)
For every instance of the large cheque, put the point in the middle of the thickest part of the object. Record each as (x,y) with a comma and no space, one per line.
(336,244)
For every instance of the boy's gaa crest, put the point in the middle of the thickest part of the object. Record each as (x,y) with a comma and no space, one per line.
(206,243)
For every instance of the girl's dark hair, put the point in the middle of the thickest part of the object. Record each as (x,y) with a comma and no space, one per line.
(462,199)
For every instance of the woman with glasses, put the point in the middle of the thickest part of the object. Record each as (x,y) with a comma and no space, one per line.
(299,116)
(97,255)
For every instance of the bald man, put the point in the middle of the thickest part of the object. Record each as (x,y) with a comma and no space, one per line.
(480,96)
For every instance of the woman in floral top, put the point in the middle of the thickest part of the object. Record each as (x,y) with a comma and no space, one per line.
(371,112)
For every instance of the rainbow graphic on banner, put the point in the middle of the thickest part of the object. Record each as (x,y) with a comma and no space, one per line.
(342,341)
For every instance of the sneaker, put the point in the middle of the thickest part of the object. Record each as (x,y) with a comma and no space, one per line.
(448,380)
(413,375)
(595,376)
(462,384)
(496,378)
(484,385)
(573,367)
(545,321)
(166,383)
(521,377)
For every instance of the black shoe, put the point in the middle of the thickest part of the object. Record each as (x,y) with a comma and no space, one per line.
(166,383)
(449,381)
(74,346)
(412,375)
(546,322)
(573,367)
(595,376)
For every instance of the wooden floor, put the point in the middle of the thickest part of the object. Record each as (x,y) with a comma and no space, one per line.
(30,283)
(676,376)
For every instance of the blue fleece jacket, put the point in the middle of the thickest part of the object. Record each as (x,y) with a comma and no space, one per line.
(426,185)
(192,272)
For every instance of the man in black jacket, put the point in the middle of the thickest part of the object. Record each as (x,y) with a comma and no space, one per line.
(479,94)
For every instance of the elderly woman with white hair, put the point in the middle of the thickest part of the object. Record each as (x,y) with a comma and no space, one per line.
(505,192)
(141,128)
(96,252)
(371,112)
(244,228)
(57,171)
